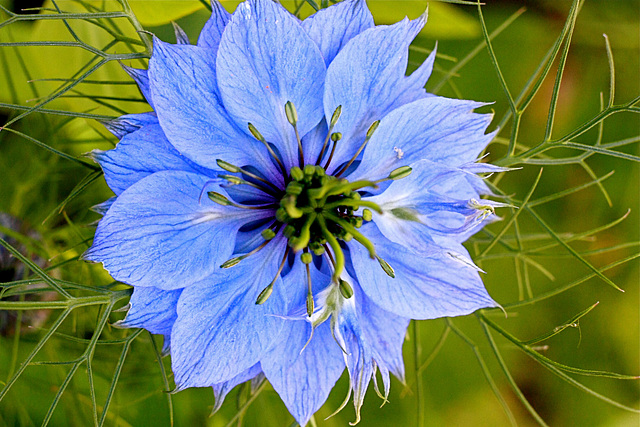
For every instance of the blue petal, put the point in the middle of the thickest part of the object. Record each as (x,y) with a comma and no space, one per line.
(333,27)
(126,124)
(152,309)
(413,85)
(403,202)
(367,78)
(140,154)
(221,331)
(426,285)
(439,129)
(479,183)
(212,32)
(221,390)
(187,100)
(313,141)
(102,208)
(384,332)
(432,200)
(141,78)
(303,379)
(266,59)
(359,356)
(305,383)
(181,36)
(158,233)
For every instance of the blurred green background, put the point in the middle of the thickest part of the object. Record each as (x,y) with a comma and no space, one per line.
(453,389)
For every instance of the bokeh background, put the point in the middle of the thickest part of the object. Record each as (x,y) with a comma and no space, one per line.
(455,385)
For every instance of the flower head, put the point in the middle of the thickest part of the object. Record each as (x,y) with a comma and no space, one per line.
(292,201)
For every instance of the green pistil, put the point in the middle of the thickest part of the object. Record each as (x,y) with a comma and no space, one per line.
(355,233)
(318,211)
(338,266)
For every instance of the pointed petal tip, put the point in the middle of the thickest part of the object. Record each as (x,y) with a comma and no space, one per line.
(120,324)
(181,35)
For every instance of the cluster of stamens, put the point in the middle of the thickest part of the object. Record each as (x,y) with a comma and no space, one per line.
(317,213)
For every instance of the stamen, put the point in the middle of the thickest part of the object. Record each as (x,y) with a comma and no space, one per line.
(335,137)
(328,252)
(265,234)
(317,248)
(257,135)
(370,132)
(236,260)
(386,267)
(235,169)
(234,180)
(266,292)
(296,173)
(222,200)
(334,120)
(268,234)
(306,257)
(345,289)
(292,117)
(401,172)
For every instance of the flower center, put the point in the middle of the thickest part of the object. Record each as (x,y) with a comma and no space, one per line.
(319,210)
(317,213)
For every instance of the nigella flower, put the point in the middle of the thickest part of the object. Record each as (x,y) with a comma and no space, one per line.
(292,201)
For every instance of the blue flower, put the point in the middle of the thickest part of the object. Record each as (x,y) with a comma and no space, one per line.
(292,201)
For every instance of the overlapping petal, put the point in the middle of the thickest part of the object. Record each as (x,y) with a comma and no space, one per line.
(385,332)
(221,390)
(305,383)
(333,27)
(212,32)
(141,78)
(160,232)
(266,59)
(303,378)
(221,331)
(433,200)
(367,78)
(372,341)
(425,286)
(128,123)
(439,129)
(163,235)
(139,154)
(152,309)
(185,92)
